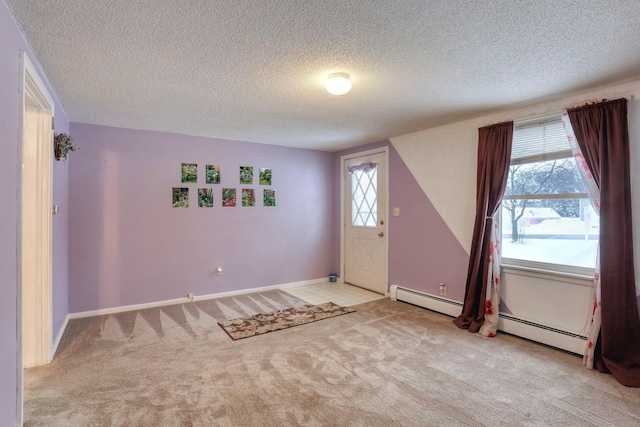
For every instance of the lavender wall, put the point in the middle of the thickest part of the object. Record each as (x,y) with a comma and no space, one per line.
(11,43)
(422,250)
(127,245)
(60,232)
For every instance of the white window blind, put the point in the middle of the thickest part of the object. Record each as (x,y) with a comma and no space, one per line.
(538,140)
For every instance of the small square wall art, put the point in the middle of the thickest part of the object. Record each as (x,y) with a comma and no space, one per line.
(269,197)
(246,174)
(212,173)
(205,197)
(228,197)
(265,176)
(248,197)
(180,197)
(189,173)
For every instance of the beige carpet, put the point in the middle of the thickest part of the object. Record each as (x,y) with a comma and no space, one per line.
(154,323)
(388,364)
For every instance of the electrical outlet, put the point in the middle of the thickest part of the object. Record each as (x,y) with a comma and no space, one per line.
(443,289)
(190,296)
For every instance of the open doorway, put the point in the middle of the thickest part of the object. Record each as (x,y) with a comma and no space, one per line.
(34,223)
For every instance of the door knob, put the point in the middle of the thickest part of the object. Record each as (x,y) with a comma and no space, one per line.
(381,234)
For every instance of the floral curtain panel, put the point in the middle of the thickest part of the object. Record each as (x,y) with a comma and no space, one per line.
(594,196)
(492,301)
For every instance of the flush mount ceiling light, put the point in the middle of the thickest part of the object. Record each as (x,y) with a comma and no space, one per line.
(338,83)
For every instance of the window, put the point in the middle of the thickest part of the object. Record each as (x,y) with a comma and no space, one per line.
(546,216)
(364,197)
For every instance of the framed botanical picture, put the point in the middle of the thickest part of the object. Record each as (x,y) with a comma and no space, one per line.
(180,197)
(228,197)
(248,197)
(205,197)
(265,176)
(212,174)
(269,197)
(246,174)
(189,173)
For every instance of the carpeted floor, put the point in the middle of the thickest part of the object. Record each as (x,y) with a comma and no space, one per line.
(154,323)
(388,364)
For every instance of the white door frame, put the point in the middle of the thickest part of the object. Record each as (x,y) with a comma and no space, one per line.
(343,174)
(34,95)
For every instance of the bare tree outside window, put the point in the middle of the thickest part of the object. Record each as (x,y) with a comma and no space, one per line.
(546,219)
(531,182)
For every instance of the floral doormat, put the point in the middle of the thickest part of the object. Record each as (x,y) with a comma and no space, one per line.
(281,319)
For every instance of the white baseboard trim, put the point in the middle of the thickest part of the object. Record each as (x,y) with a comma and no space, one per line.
(264,288)
(121,309)
(431,302)
(510,324)
(56,342)
(552,337)
(125,308)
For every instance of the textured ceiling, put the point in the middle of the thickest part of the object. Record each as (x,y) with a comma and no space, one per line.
(254,70)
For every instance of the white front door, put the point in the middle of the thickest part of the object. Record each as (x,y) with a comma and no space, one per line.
(365,220)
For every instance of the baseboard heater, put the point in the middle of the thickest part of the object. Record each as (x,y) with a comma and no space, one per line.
(553,337)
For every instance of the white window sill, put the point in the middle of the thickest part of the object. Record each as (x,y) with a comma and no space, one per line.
(583,276)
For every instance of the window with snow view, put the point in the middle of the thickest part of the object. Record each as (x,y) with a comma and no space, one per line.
(546,214)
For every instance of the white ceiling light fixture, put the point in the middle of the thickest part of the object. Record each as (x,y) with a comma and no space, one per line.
(338,83)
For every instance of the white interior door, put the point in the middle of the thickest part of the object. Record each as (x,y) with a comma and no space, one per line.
(35,221)
(32,304)
(365,221)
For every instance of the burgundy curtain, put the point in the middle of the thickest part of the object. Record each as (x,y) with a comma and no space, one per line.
(494,157)
(602,132)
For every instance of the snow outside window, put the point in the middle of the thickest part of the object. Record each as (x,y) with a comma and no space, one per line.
(547,219)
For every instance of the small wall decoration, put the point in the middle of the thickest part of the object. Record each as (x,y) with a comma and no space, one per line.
(205,197)
(265,176)
(269,197)
(189,173)
(180,197)
(248,197)
(246,174)
(228,197)
(63,145)
(212,173)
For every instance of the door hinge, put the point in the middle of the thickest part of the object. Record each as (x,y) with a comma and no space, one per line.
(53,122)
